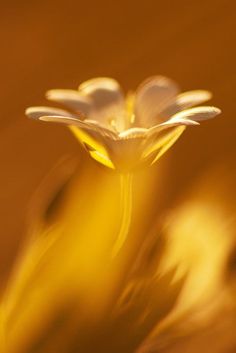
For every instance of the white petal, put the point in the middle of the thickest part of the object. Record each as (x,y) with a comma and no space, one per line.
(179,121)
(94,128)
(125,153)
(186,117)
(90,86)
(151,96)
(38,112)
(71,99)
(107,99)
(99,123)
(183,101)
(171,123)
(133,133)
(197,114)
(193,97)
(61,119)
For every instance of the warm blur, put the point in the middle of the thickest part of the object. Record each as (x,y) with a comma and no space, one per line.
(48,44)
(58,44)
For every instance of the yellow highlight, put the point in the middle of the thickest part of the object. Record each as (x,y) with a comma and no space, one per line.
(162,144)
(96,150)
(99,157)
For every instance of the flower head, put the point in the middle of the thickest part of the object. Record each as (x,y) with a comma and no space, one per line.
(125,133)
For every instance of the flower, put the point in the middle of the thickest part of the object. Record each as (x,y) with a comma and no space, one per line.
(126,133)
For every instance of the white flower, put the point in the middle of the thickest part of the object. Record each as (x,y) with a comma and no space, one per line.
(126,133)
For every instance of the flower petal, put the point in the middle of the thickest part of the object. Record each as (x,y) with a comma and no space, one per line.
(162,136)
(102,158)
(197,114)
(158,144)
(151,96)
(107,99)
(96,139)
(38,112)
(126,153)
(133,133)
(171,123)
(184,101)
(72,99)
(92,127)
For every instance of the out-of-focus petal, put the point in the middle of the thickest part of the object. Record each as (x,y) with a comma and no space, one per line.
(151,97)
(107,99)
(184,101)
(72,99)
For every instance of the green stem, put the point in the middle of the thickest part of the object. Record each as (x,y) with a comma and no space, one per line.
(126,204)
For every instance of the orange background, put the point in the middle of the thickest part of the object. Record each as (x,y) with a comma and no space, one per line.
(58,44)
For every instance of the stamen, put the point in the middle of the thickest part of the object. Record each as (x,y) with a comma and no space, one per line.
(112,122)
(132,118)
(130,108)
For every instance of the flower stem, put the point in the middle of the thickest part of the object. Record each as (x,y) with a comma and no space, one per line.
(126,204)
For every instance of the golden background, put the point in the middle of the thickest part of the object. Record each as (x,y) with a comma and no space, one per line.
(58,44)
